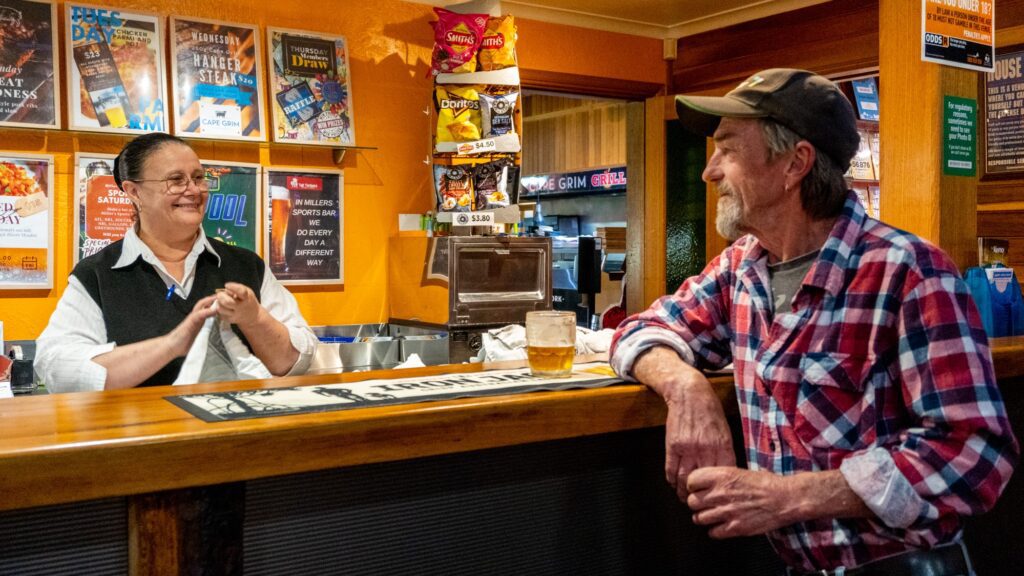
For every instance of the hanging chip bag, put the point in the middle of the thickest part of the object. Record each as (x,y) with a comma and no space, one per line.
(490,184)
(457,39)
(458,113)
(454,187)
(498,49)
(496,114)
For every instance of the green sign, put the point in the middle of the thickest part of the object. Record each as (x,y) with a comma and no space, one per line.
(959,136)
(231,206)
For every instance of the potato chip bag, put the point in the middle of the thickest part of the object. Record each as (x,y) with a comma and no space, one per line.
(457,39)
(490,184)
(454,188)
(496,114)
(498,48)
(458,113)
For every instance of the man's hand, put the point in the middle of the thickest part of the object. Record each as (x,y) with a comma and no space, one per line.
(180,339)
(238,305)
(738,502)
(696,433)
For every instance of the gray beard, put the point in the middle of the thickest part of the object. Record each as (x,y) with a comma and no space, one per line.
(729,215)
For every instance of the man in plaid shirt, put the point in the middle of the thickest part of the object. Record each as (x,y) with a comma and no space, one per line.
(871,417)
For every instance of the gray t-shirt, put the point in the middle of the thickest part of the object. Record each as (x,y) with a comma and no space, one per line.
(787,277)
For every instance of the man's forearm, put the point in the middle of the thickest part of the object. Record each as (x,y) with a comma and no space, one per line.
(661,369)
(817,495)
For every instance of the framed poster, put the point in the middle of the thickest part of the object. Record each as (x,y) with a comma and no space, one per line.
(233,209)
(305,229)
(115,70)
(310,88)
(29,81)
(960,34)
(26,221)
(215,68)
(102,211)
(1001,116)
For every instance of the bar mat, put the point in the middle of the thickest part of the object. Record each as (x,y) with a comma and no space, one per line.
(243,404)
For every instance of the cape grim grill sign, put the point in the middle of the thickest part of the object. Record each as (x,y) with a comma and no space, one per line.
(602,181)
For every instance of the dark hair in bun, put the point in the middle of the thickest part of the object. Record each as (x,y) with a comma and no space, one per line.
(128,164)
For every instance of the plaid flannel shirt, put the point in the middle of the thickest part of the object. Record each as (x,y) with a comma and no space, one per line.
(880,368)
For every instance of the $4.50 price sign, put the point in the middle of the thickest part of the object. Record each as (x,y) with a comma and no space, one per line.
(473,219)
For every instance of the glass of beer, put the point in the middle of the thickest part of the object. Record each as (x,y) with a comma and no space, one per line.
(550,343)
(280,213)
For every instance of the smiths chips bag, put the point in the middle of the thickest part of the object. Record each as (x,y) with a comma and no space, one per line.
(458,113)
(490,184)
(457,39)
(496,114)
(498,49)
(454,186)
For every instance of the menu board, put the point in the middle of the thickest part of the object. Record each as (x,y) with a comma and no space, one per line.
(1003,95)
(103,212)
(305,226)
(217,88)
(115,70)
(310,88)
(29,83)
(233,212)
(26,221)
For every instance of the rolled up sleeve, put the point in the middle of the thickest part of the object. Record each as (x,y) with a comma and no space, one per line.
(74,336)
(282,306)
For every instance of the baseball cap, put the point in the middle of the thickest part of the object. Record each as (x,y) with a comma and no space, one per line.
(810,105)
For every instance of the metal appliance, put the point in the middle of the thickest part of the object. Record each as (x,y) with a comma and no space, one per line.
(466,285)
(577,276)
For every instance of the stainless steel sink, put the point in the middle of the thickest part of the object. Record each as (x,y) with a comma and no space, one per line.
(359,347)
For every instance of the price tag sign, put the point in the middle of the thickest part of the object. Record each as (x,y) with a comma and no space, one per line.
(476,147)
(473,219)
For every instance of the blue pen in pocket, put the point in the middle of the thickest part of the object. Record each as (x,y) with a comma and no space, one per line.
(170,292)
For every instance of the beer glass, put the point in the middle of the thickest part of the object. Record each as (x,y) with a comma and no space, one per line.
(550,343)
(280,214)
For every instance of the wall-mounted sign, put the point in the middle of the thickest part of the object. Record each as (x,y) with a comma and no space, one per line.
(102,211)
(233,208)
(601,181)
(218,92)
(115,66)
(959,33)
(305,225)
(959,136)
(310,88)
(29,83)
(26,221)
(1003,94)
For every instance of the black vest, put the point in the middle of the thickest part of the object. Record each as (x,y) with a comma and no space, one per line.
(134,301)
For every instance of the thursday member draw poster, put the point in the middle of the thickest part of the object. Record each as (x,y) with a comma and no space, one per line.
(310,88)
(26,221)
(29,82)
(217,87)
(305,226)
(115,69)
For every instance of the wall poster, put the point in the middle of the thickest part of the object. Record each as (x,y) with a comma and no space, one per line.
(305,225)
(29,82)
(310,88)
(959,33)
(115,67)
(102,211)
(217,87)
(1002,116)
(26,221)
(233,208)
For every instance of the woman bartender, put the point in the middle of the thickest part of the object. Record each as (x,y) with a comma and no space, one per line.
(131,312)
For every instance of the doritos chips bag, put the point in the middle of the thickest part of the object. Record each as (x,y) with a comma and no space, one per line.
(458,113)
(490,184)
(457,39)
(496,114)
(454,187)
(498,49)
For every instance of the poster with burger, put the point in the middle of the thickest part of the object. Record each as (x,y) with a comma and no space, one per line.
(26,221)
(310,87)
(29,83)
(115,70)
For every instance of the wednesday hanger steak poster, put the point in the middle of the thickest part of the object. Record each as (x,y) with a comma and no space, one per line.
(217,88)
(232,205)
(310,88)
(115,70)
(103,212)
(305,228)
(29,83)
(26,221)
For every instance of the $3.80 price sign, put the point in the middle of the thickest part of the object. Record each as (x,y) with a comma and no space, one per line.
(473,219)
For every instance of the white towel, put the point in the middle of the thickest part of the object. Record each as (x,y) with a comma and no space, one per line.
(246,366)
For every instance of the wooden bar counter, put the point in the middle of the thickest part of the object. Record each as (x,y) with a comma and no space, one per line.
(174,472)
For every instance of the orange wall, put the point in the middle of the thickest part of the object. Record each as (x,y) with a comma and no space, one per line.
(389,44)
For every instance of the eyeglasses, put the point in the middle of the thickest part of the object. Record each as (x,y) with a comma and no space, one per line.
(177,185)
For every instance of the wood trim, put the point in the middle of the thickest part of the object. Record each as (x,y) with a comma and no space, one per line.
(636,215)
(654,202)
(588,85)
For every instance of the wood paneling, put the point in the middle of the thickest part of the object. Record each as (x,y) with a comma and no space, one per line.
(588,85)
(1003,224)
(834,38)
(653,230)
(638,149)
(564,134)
